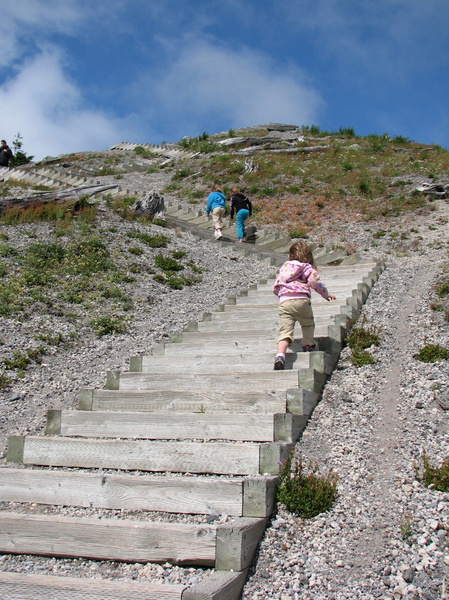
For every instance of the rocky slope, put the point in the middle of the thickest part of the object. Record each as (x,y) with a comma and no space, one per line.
(386,536)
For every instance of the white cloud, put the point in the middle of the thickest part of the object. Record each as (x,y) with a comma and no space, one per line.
(238,87)
(47,108)
(24,23)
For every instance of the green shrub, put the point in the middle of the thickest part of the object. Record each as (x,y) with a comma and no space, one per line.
(359,339)
(303,490)
(363,337)
(153,241)
(437,477)
(5,382)
(442,289)
(360,358)
(430,353)
(107,325)
(167,264)
(143,152)
(298,233)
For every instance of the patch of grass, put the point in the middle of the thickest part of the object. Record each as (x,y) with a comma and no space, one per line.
(135,250)
(431,476)
(298,233)
(167,264)
(153,241)
(405,527)
(20,361)
(108,324)
(431,353)
(303,491)
(359,339)
(5,382)
(143,152)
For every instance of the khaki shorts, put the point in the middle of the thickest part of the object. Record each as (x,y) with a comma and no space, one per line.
(217,214)
(292,311)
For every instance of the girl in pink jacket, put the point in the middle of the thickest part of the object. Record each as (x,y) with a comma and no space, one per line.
(292,287)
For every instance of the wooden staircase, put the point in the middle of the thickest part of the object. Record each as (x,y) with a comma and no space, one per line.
(177,459)
(200,427)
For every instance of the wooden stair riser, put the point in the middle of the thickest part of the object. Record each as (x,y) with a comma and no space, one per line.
(23,586)
(175,457)
(272,380)
(249,496)
(227,547)
(183,402)
(239,361)
(256,428)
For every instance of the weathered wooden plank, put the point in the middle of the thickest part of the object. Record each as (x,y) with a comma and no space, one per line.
(183,402)
(20,586)
(183,457)
(259,495)
(236,543)
(219,585)
(108,539)
(197,495)
(272,380)
(237,360)
(155,426)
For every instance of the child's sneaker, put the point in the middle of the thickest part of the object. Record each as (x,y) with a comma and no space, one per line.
(310,348)
(219,235)
(279,363)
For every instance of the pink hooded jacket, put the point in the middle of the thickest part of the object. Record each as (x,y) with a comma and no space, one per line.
(294,281)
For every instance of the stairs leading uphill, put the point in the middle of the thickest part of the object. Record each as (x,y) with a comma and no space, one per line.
(199,427)
(177,459)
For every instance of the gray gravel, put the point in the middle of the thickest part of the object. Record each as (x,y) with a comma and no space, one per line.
(387,535)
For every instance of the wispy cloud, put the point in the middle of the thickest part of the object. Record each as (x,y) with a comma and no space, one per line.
(211,82)
(47,108)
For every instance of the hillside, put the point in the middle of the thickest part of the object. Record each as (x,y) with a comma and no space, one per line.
(82,290)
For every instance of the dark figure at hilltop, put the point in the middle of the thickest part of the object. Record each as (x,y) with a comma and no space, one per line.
(5,154)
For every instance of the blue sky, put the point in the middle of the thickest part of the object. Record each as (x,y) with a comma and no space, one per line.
(81,75)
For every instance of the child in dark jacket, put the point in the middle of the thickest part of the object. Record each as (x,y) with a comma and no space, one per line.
(242,207)
(292,287)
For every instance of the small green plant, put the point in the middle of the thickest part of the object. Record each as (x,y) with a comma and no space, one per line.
(359,339)
(298,233)
(167,264)
(5,382)
(135,250)
(143,152)
(107,325)
(20,157)
(431,476)
(303,490)
(406,527)
(153,241)
(430,353)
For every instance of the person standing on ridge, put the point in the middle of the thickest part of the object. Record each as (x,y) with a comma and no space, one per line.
(242,207)
(5,154)
(216,203)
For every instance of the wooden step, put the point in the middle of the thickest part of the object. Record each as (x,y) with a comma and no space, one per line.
(219,585)
(176,457)
(226,546)
(171,426)
(271,380)
(237,496)
(20,586)
(293,400)
(183,401)
(238,361)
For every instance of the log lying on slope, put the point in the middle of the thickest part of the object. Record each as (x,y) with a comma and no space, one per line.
(71,195)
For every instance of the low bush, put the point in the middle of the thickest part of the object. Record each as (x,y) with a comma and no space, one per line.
(430,353)
(303,491)
(431,476)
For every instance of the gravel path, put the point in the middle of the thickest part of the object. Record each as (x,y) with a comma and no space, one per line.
(386,536)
